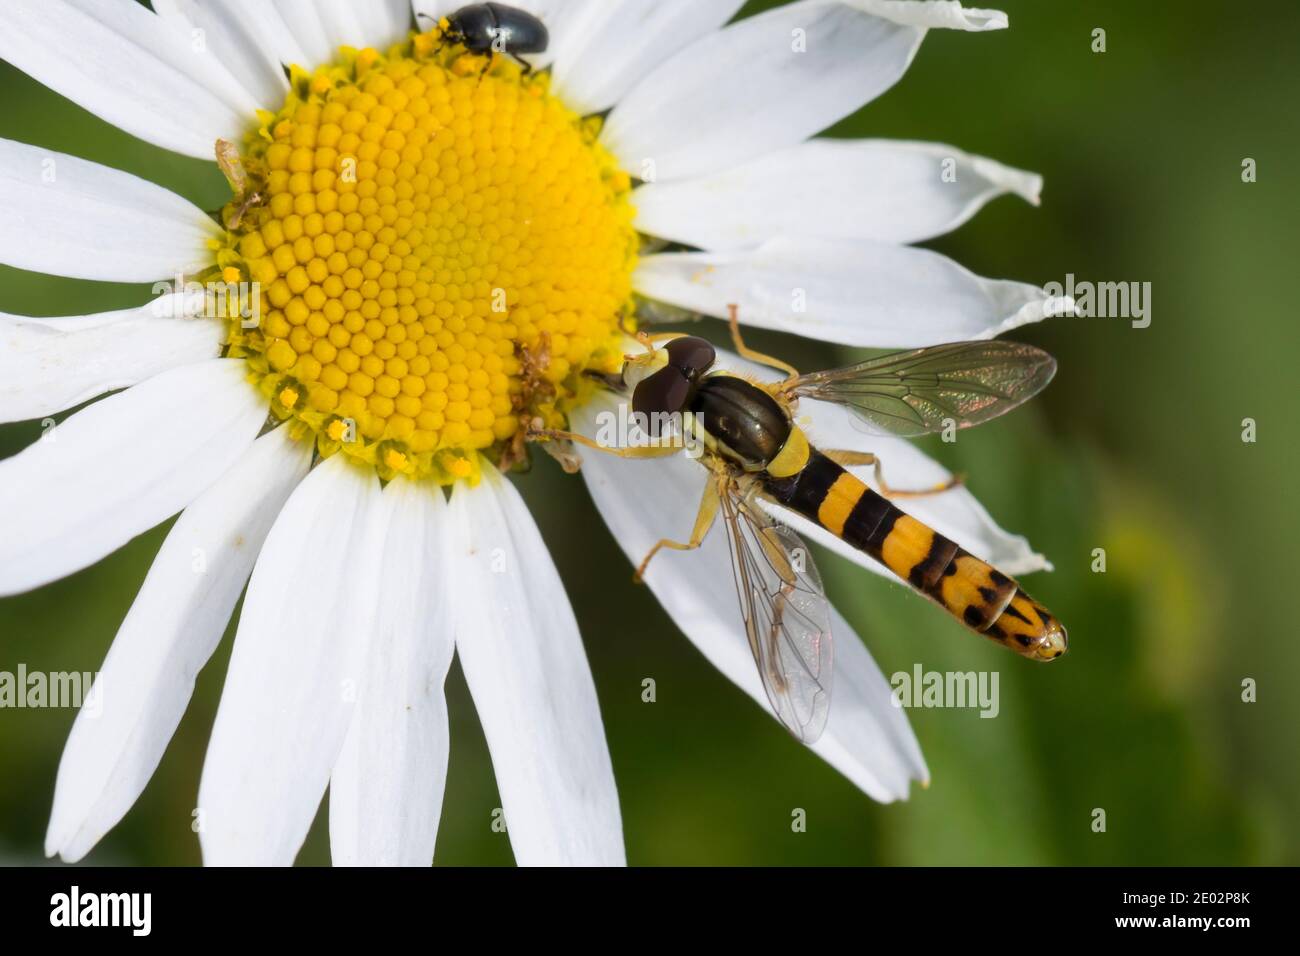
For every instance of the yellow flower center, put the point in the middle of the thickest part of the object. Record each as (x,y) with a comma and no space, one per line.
(440,253)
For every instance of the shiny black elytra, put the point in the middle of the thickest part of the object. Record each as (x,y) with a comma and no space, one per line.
(498,28)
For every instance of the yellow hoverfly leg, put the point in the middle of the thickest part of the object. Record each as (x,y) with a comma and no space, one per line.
(746,352)
(851,459)
(704,519)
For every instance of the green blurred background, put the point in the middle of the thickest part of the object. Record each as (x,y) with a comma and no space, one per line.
(1136,448)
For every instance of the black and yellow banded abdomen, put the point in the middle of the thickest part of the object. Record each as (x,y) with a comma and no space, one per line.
(973,591)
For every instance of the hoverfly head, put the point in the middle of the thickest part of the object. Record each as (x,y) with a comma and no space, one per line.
(664,379)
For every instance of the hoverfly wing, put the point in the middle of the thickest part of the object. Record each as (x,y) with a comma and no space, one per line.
(786,615)
(907,394)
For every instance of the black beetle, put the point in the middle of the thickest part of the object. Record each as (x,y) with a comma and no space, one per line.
(498,28)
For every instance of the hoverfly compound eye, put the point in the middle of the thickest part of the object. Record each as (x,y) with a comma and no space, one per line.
(691,355)
(664,393)
(663,382)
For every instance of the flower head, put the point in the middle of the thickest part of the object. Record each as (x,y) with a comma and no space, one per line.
(433,251)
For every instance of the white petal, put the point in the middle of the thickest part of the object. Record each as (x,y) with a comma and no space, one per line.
(622,42)
(70,217)
(180,49)
(323,26)
(294,672)
(942,14)
(761,84)
(524,661)
(831,189)
(562,18)
(386,789)
(119,467)
(384,22)
(568,22)
(49,365)
(303,17)
(342,22)
(278,39)
(249,35)
(866,738)
(129,67)
(172,629)
(854,292)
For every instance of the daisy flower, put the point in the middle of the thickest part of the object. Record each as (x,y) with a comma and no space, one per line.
(423,249)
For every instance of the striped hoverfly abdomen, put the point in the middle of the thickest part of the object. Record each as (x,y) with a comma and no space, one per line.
(971,590)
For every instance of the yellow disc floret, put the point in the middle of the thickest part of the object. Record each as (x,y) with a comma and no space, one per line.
(439,255)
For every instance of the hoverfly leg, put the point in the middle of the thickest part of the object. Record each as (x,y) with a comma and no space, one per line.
(775,555)
(650,342)
(704,519)
(624,324)
(733,319)
(632,451)
(851,459)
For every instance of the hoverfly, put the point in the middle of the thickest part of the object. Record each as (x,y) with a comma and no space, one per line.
(757,455)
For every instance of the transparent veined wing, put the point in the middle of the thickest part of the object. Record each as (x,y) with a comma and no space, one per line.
(906,394)
(786,615)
